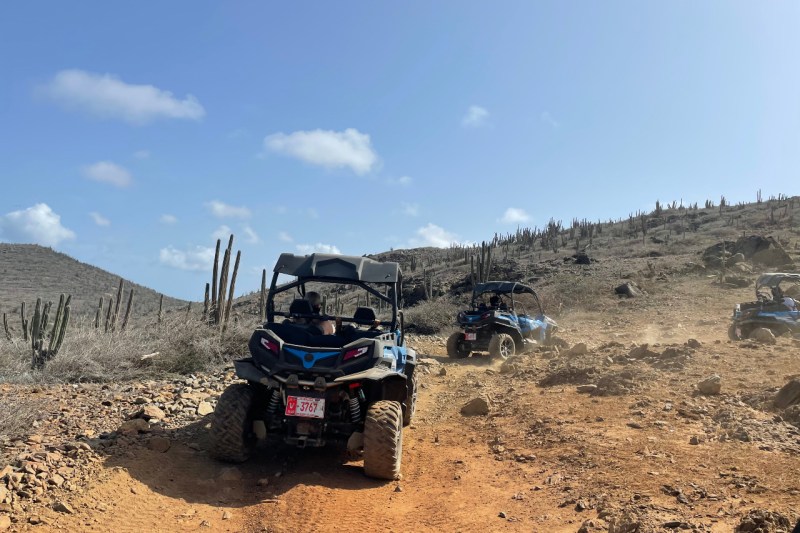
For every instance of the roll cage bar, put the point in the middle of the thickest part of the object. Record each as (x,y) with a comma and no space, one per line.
(355,268)
(504,287)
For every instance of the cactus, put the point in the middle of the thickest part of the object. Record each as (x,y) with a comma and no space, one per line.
(219,314)
(108,314)
(39,355)
(262,299)
(24,322)
(161,305)
(99,314)
(206,303)
(214,281)
(5,327)
(117,306)
(127,311)
(233,286)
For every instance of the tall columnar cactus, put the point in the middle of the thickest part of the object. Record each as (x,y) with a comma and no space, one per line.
(24,322)
(206,303)
(5,327)
(127,310)
(262,298)
(40,355)
(214,274)
(161,306)
(108,314)
(229,303)
(99,314)
(117,306)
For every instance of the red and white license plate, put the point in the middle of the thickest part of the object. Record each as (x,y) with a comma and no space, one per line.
(305,407)
(470,336)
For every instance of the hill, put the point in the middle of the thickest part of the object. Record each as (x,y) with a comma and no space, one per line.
(572,263)
(29,271)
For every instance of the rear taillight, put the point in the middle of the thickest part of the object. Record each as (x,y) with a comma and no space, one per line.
(269,345)
(358,352)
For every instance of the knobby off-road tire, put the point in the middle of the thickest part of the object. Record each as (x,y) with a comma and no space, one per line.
(231,425)
(453,349)
(411,399)
(383,440)
(502,345)
(732,335)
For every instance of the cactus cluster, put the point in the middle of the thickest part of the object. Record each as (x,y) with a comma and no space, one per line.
(483,262)
(217,311)
(40,321)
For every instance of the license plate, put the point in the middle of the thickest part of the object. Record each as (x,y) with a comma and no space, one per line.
(470,336)
(305,407)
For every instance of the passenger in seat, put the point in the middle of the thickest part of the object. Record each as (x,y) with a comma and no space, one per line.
(328,327)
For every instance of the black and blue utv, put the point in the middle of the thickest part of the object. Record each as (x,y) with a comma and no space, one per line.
(774,308)
(306,388)
(501,325)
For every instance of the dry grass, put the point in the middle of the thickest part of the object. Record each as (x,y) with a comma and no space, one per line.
(431,317)
(89,355)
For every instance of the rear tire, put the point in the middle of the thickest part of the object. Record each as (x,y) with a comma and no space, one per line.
(232,439)
(733,334)
(383,440)
(454,346)
(411,399)
(502,345)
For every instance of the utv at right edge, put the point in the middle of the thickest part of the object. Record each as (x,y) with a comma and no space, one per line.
(498,322)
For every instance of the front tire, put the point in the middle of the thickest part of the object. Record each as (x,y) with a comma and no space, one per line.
(383,440)
(232,439)
(455,346)
(502,345)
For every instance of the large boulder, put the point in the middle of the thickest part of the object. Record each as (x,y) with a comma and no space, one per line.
(765,251)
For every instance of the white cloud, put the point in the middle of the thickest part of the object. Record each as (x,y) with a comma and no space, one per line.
(197,258)
(285,237)
(433,235)
(142,154)
(38,224)
(250,235)
(330,149)
(409,210)
(476,116)
(514,215)
(548,118)
(107,96)
(108,172)
(223,210)
(318,247)
(223,232)
(168,219)
(99,219)
(403,181)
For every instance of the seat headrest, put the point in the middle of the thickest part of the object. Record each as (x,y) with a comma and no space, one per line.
(364,313)
(301,307)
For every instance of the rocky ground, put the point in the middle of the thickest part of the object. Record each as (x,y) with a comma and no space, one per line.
(646,418)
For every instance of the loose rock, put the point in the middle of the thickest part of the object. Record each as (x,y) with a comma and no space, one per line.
(710,385)
(476,406)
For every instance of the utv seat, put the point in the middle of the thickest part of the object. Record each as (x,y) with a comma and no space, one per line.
(303,335)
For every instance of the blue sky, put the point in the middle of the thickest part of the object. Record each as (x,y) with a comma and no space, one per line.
(131,135)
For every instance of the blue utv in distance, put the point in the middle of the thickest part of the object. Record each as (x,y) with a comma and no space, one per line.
(502,325)
(306,388)
(772,309)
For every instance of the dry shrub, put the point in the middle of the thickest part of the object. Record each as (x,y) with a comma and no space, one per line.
(17,415)
(92,355)
(432,316)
